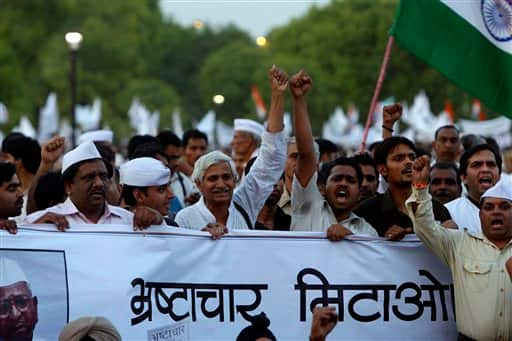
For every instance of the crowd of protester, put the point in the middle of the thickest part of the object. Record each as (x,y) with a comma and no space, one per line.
(449,194)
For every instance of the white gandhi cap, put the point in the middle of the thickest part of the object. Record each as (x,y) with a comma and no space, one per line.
(83,152)
(250,126)
(501,190)
(144,172)
(10,272)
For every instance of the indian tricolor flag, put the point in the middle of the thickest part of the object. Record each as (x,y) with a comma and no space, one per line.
(469,41)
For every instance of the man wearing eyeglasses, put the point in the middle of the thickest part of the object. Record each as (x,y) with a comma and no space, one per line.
(18,308)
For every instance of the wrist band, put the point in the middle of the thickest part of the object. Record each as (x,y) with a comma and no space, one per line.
(387,128)
(420,186)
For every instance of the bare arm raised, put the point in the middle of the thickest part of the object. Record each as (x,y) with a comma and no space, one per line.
(300,84)
(51,151)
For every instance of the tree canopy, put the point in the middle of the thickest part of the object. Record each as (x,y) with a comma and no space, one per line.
(130,49)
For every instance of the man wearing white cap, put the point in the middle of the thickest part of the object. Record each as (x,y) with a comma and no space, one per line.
(145,183)
(84,175)
(215,176)
(246,138)
(18,308)
(477,260)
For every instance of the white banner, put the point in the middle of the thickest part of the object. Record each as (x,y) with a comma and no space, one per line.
(181,285)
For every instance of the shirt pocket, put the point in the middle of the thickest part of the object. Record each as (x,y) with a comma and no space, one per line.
(476,274)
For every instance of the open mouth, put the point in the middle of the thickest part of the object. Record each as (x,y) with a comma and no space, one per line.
(497,222)
(342,194)
(485,181)
(407,171)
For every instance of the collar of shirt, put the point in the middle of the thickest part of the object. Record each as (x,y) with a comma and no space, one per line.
(204,211)
(482,237)
(351,219)
(69,208)
(285,198)
(477,204)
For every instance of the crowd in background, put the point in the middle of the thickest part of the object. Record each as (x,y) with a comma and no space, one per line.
(266,181)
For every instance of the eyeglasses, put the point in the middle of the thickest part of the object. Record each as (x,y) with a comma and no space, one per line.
(21,302)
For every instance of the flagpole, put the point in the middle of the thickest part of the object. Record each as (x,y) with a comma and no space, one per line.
(376,93)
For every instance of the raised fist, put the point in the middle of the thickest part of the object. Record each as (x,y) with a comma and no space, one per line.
(53,149)
(421,170)
(300,83)
(278,80)
(391,114)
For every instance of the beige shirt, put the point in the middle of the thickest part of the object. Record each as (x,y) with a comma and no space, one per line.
(483,288)
(311,212)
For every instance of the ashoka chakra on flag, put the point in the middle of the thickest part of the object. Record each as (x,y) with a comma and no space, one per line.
(469,41)
(497,15)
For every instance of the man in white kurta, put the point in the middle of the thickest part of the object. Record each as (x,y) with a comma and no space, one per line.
(480,168)
(250,194)
(215,175)
(311,212)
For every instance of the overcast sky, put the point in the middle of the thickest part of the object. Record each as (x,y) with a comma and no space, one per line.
(257,17)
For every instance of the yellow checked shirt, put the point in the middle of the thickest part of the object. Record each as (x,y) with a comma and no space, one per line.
(483,288)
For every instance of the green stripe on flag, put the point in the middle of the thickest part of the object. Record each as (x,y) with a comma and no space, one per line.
(443,39)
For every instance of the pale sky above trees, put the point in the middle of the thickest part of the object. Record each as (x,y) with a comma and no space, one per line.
(257,17)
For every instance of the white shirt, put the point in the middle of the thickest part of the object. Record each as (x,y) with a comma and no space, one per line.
(252,192)
(311,212)
(183,188)
(111,215)
(465,214)
(482,286)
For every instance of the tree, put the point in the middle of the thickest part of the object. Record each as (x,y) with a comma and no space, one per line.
(230,71)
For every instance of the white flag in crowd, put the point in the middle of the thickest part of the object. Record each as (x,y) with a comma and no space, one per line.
(4,114)
(88,117)
(48,119)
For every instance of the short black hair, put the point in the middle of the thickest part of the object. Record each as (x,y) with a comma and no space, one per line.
(374,145)
(365,159)
(49,191)
(326,146)
(6,140)
(167,137)
(448,126)
(448,165)
(471,140)
(150,149)
(491,141)
(193,134)
(385,147)
(475,149)
(7,171)
(127,194)
(106,151)
(137,140)
(327,167)
(25,148)
(108,156)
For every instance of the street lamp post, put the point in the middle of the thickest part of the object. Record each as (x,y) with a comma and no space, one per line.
(73,39)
